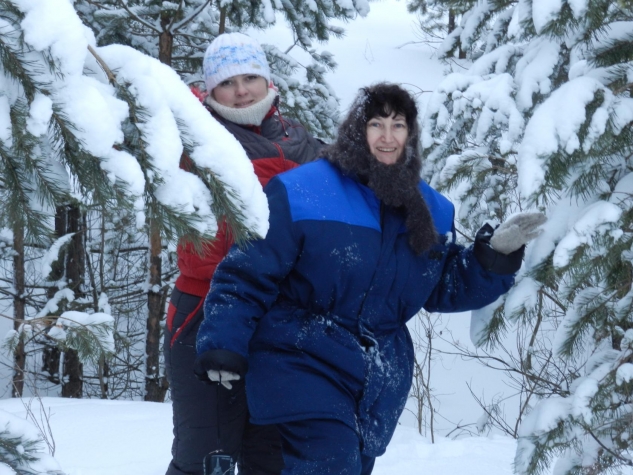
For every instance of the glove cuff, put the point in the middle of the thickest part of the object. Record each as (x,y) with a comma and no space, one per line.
(494,261)
(221,360)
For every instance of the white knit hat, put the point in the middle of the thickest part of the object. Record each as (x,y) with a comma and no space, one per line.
(231,54)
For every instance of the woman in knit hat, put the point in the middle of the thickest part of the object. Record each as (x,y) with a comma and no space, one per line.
(210,418)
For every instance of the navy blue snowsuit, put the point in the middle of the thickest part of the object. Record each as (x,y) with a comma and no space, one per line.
(318,308)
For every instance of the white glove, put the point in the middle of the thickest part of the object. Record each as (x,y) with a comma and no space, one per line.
(517,231)
(222,377)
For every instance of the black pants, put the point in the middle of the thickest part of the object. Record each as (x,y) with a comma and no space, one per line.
(208,417)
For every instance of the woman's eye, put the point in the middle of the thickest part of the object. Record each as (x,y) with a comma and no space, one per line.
(251,78)
(401,126)
(225,83)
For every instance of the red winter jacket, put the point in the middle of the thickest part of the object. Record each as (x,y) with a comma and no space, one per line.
(277,145)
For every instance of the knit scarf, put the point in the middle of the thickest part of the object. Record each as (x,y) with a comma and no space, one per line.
(251,115)
(395,185)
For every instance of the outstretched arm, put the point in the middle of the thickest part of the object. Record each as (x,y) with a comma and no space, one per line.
(476,276)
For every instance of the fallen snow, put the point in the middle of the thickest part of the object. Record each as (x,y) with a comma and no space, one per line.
(97,437)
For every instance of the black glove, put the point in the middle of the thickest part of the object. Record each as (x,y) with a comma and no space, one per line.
(220,366)
(495,261)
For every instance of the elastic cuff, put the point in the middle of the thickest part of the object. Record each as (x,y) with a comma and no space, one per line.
(494,261)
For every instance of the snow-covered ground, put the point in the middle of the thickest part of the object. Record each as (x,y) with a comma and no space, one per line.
(96,437)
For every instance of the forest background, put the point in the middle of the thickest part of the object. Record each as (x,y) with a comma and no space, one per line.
(530,109)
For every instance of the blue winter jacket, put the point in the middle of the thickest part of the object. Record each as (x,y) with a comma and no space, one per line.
(319,306)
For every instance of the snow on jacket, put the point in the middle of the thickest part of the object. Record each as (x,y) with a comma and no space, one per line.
(279,144)
(319,306)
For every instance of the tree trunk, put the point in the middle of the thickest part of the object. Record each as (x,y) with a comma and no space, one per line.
(222,26)
(165,42)
(461,54)
(76,255)
(155,385)
(103,373)
(19,362)
(51,355)
(72,382)
(70,264)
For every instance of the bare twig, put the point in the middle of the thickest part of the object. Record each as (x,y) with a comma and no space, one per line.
(42,423)
(104,66)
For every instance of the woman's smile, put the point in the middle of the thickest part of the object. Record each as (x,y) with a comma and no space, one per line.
(387,137)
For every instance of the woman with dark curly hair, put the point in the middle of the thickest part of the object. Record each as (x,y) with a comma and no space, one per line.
(314,315)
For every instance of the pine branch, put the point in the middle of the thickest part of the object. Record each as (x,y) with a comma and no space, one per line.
(625,88)
(137,18)
(174,16)
(624,460)
(17,199)
(188,20)
(17,452)
(33,152)
(15,65)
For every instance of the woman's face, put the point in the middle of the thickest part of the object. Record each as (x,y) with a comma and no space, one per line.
(387,137)
(240,91)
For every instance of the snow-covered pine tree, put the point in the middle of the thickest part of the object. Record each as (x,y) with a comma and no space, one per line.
(542,119)
(434,22)
(43,160)
(312,102)
(178,34)
(73,131)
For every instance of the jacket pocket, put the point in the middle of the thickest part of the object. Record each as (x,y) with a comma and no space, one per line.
(184,318)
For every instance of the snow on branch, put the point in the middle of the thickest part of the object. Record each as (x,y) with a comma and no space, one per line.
(89,110)
(22,449)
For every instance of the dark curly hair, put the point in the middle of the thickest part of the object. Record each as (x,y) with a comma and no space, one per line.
(385,100)
(397,184)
